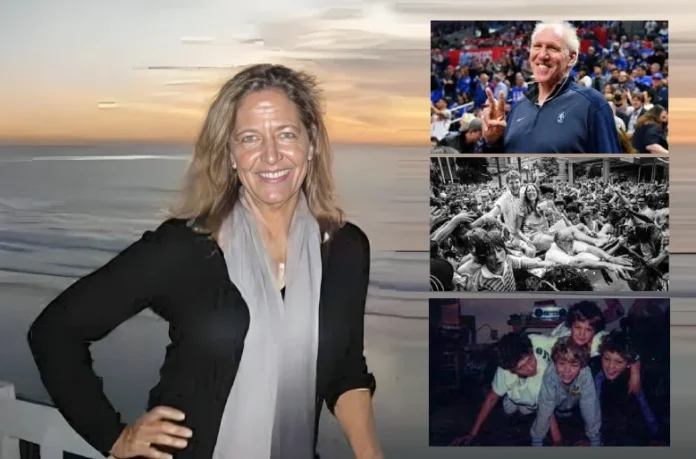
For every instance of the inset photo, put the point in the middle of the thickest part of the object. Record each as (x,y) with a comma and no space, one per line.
(549,87)
(563,372)
(504,224)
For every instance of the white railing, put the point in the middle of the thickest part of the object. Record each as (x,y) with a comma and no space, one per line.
(467,106)
(39,424)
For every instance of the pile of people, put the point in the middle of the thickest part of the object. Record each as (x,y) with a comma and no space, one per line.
(581,367)
(583,236)
(618,69)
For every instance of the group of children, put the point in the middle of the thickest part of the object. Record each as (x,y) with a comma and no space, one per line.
(550,376)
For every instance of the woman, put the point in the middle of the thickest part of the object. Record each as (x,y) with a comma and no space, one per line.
(649,135)
(533,223)
(263,284)
(587,219)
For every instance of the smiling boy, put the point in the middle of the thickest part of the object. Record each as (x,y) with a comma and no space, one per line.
(522,362)
(567,383)
(497,266)
(619,409)
(586,325)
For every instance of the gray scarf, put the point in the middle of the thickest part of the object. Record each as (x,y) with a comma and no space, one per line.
(270,412)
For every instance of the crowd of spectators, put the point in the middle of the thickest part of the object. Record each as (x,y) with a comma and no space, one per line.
(627,61)
(549,235)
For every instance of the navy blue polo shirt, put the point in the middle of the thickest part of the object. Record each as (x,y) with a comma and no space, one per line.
(574,119)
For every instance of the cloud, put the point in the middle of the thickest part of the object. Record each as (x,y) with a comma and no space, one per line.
(189,82)
(107,104)
(196,40)
(168,61)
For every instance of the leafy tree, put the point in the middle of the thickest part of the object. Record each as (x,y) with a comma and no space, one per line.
(472,170)
(579,170)
(435,179)
(595,171)
(548,166)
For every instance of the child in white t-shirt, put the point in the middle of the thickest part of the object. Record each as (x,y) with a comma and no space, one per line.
(522,361)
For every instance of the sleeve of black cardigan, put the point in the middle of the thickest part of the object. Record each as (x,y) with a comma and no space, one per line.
(351,372)
(89,310)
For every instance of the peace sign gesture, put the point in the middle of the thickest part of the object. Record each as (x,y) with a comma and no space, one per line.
(494,123)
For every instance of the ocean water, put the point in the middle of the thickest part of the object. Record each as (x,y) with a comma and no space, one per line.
(64,211)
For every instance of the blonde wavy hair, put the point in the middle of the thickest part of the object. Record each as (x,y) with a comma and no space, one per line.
(212,186)
(566,349)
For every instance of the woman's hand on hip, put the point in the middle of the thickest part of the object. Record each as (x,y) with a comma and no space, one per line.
(151,429)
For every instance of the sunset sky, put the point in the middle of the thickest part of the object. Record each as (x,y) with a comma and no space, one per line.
(61,59)
(77,70)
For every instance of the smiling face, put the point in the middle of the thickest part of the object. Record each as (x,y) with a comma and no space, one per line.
(613,364)
(514,186)
(270,148)
(531,193)
(550,58)
(495,261)
(582,332)
(567,369)
(573,216)
(526,367)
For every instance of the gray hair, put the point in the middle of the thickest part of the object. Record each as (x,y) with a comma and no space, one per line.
(563,235)
(564,29)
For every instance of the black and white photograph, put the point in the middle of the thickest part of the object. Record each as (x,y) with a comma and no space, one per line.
(549,224)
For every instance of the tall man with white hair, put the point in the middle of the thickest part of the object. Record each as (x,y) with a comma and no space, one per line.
(556,114)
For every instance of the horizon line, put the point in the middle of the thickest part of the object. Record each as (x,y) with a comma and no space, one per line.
(92,142)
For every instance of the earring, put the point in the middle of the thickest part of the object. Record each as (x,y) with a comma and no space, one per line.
(234,166)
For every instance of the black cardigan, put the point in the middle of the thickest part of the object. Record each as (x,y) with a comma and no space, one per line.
(181,275)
